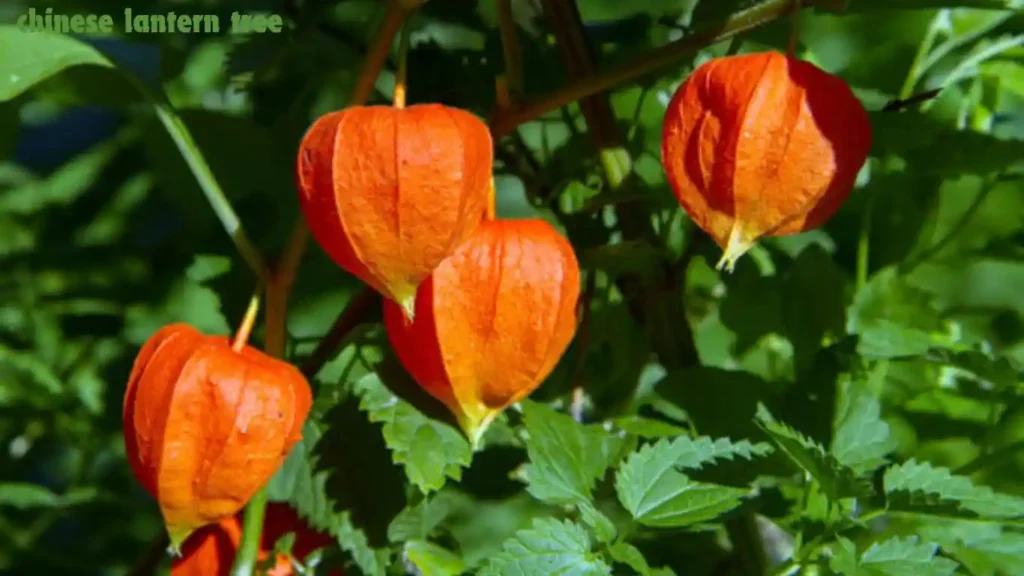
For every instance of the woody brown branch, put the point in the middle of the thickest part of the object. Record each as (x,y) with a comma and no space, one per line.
(594,82)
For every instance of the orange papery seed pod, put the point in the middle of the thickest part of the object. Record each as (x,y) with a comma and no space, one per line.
(494,319)
(206,425)
(760,145)
(211,550)
(389,192)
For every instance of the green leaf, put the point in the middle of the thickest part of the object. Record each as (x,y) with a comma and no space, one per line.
(548,547)
(371,562)
(190,301)
(26,496)
(430,451)
(432,560)
(921,488)
(626,553)
(656,494)
(862,439)
(813,303)
(648,427)
(566,458)
(419,521)
(837,481)
(893,557)
(40,55)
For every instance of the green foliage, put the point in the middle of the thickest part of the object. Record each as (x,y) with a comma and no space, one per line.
(847,402)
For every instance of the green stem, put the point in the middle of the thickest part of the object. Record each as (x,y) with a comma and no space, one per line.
(966,217)
(252,525)
(864,241)
(211,189)
(510,49)
(917,67)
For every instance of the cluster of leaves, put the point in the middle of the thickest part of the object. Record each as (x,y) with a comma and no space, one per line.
(847,402)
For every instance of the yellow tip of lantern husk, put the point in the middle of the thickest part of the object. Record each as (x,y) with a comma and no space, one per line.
(476,425)
(738,245)
(178,535)
(408,305)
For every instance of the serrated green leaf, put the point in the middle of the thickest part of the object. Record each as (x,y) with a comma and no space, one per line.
(429,450)
(921,488)
(656,494)
(42,55)
(417,522)
(548,547)
(371,562)
(893,557)
(861,441)
(837,481)
(432,560)
(566,458)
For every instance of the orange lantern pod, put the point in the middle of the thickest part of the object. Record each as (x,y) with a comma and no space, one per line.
(760,145)
(211,550)
(494,319)
(389,192)
(207,424)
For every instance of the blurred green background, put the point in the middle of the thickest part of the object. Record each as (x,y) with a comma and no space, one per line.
(105,235)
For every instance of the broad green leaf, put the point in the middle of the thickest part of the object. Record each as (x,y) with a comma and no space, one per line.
(40,55)
(893,557)
(921,488)
(429,450)
(566,458)
(432,560)
(652,490)
(862,439)
(548,547)
(836,480)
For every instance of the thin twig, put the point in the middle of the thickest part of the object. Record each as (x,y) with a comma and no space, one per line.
(352,316)
(510,48)
(504,121)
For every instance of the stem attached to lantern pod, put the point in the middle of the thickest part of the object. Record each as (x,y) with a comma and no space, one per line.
(248,321)
(794,30)
(491,202)
(403,68)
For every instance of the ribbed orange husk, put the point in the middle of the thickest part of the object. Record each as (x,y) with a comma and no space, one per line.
(493,319)
(211,550)
(389,193)
(762,145)
(206,427)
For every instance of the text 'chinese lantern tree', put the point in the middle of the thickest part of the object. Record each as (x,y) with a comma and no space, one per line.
(390,192)
(206,424)
(760,145)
